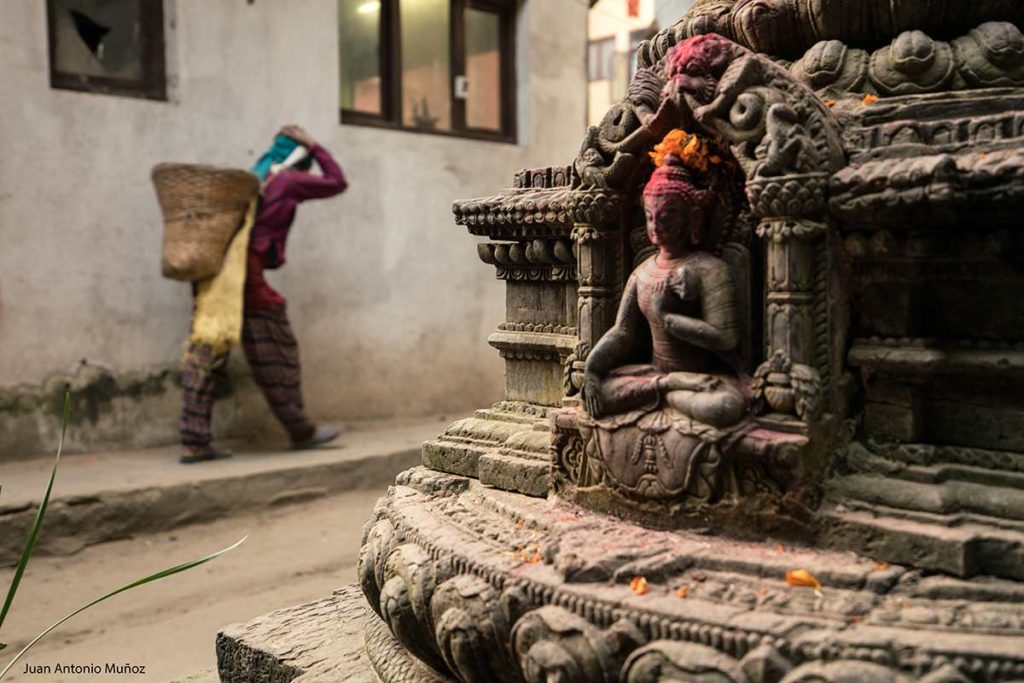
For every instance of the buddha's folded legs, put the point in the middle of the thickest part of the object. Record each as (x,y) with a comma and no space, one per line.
(712,400)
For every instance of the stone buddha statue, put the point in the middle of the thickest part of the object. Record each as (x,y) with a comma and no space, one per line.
(675,336)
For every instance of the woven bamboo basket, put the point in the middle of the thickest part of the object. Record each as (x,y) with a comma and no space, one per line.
(203,207)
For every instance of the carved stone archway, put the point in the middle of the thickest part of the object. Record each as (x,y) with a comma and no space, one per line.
(787,142)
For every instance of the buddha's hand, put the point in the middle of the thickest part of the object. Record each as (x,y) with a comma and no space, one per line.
(685,283)
(591,391)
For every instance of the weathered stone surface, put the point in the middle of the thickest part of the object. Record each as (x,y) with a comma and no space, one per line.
(318,641)
(509,556)
(333,640)
(525,475)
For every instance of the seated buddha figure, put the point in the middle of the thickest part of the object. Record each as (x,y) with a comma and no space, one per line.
(674,342)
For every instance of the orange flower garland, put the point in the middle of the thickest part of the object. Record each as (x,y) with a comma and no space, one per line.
(693,150)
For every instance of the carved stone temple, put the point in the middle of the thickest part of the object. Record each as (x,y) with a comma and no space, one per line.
(770,319)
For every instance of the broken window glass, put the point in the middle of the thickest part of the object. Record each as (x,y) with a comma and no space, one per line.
(107,45)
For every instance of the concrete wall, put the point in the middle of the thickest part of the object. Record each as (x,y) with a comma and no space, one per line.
(387,297)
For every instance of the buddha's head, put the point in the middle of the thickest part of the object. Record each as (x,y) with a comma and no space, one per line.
(675,208)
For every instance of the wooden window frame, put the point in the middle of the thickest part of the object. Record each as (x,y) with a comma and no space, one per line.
(391,73)
(152,85)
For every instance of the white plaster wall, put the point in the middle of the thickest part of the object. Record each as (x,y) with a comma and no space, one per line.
(387,297)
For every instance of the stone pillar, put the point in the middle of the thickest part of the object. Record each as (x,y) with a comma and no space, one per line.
(790,382)
(790,269)
(598,244)
(598,280)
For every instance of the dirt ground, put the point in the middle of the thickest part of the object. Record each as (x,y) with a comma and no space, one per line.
(294,554)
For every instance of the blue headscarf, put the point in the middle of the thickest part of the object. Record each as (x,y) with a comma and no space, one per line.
(279,151)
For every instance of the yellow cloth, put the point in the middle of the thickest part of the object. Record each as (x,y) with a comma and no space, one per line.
(217,316)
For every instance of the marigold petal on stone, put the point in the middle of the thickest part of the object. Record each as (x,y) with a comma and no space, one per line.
(639,585)
(683,590)
(830,103)
(802,577)
(881,566)
(869,99)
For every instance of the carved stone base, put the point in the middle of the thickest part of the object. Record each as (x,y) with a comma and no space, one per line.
(489,585)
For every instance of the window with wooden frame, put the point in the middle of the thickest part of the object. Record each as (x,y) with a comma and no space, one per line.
(108,46)
(432,66)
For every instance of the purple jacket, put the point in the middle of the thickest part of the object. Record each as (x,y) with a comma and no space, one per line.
(282,194)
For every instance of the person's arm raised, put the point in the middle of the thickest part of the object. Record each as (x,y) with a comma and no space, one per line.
(308,185)
(311,186)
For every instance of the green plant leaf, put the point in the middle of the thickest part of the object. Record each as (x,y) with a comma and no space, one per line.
(134,584)
(37,524)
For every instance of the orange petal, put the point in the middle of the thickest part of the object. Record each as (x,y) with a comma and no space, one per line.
(881,566)
(830,103)
(802,577)
(683,590)
(869,99)
(639,585)
(779,548)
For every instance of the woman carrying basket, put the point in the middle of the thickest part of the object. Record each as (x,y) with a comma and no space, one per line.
(267,337)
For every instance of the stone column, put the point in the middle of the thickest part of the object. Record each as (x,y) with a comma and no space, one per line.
(789,382)
(598,244)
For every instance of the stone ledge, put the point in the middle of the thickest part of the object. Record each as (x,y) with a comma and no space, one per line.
(322,641)
(109,496)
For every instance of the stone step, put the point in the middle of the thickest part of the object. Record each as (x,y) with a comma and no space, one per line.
(514,473)
(942,542)
(506,450)
(940,491)
(337,639)
(934,454)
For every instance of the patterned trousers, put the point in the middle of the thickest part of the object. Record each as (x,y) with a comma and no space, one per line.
(273,355)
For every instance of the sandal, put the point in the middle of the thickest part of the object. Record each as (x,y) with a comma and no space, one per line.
(322,435)
(204,455)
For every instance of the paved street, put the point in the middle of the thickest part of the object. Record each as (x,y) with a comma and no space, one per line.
(294,554)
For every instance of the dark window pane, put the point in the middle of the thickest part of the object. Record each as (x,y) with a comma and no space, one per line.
(98,38)
(426,64)
(483,69)
(359,27)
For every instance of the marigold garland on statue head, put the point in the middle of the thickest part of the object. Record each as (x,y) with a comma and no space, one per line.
(694,151)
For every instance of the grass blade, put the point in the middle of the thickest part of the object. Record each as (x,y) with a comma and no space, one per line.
(135,584)
(37,524)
